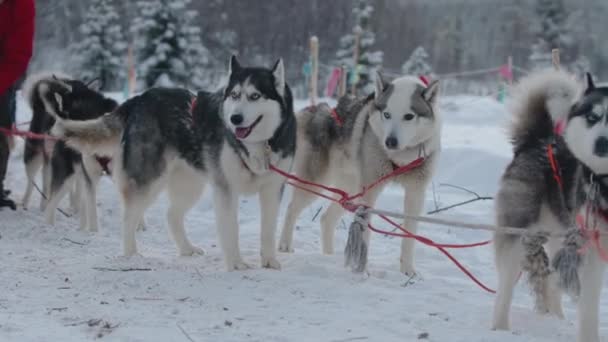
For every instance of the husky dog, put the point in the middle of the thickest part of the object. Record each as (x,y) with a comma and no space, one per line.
(534,196)
(168,138)
(49,96)
(390,128)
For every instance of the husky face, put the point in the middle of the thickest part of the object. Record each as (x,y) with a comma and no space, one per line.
(73,99)
(252,101)
(404,113)
(587,128)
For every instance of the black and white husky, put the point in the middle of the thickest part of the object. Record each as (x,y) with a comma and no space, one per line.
(536,196)
(392,127)
(63,168)
(171,139)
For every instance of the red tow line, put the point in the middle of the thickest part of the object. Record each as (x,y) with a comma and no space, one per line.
(346,200)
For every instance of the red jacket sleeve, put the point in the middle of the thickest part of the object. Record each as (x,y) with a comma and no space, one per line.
(16,49)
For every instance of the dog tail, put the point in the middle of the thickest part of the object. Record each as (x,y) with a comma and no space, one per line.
(38,90)
(98,136)
(541,101)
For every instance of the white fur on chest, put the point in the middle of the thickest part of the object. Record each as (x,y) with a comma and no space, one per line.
(249,175)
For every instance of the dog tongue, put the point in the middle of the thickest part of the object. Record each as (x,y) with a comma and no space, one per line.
(242,132)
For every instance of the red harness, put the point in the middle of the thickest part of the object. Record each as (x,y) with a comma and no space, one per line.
(591,233)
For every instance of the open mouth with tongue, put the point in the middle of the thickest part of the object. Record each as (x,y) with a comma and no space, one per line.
(243,132)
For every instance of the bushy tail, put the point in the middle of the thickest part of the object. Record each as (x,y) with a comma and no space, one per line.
(98,136)
(541,100)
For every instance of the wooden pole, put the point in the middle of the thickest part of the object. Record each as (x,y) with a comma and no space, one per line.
(555,58)
(510,66)
(356,52)
(343,81)
(314,70)
(131,77)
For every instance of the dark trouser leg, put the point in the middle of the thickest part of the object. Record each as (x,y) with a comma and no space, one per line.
(7,112)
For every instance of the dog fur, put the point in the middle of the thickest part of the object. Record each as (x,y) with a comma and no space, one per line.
(63,169)
(392,127)
(230,137)
(530,197)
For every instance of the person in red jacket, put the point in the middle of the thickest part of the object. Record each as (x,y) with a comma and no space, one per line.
(16,45)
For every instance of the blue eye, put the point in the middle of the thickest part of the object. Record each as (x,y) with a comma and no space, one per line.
(254,97)
(592,118)
(387,115)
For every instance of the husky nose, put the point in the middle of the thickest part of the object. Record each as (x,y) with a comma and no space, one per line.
(601,147)
(391,143)
(236,119)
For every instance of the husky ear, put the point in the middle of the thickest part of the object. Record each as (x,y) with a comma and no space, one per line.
(431,92)
(52,101)
(378,85)
(94,84)
(590,83)
(62,83)
(278,71)
(234,65)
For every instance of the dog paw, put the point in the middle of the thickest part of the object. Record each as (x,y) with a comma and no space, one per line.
(409,271)
(271,263)
(191,251)
(285,247)
(239,265)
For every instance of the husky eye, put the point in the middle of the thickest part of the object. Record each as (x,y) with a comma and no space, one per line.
(409,117)
(235,95)
(254,96)
(386,115)
(592,118)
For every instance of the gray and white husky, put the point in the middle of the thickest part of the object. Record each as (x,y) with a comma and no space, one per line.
(392,127)
(534,196)
(171,139)
(63,168)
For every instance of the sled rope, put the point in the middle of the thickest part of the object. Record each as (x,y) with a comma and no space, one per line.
(26,134)
(346,201)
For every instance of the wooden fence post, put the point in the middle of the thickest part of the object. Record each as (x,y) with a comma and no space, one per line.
(314,70)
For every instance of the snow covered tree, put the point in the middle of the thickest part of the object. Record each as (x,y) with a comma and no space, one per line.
(102,51)
(417,64)
(168,46)
(551,33)
(368,60)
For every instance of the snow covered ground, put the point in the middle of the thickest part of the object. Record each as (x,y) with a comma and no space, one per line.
(54,286)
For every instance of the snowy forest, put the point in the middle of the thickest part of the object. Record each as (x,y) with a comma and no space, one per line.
(189,42)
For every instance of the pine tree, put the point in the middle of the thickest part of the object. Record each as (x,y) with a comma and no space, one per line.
(169,50)
(417,64)
(101,53)
(552,32)
(369,60)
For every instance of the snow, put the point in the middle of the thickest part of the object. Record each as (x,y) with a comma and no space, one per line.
(51,287)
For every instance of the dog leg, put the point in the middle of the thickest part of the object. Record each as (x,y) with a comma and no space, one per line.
(31,169)
(46,184)
(184,192)
(414,204)
(75,197)
(226,216)
(134,208)
(299,201)
(92,173)
(57,194)
(592,275)
(553,295)
(82,217)
(270,198)
(329,220)
(509,256)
